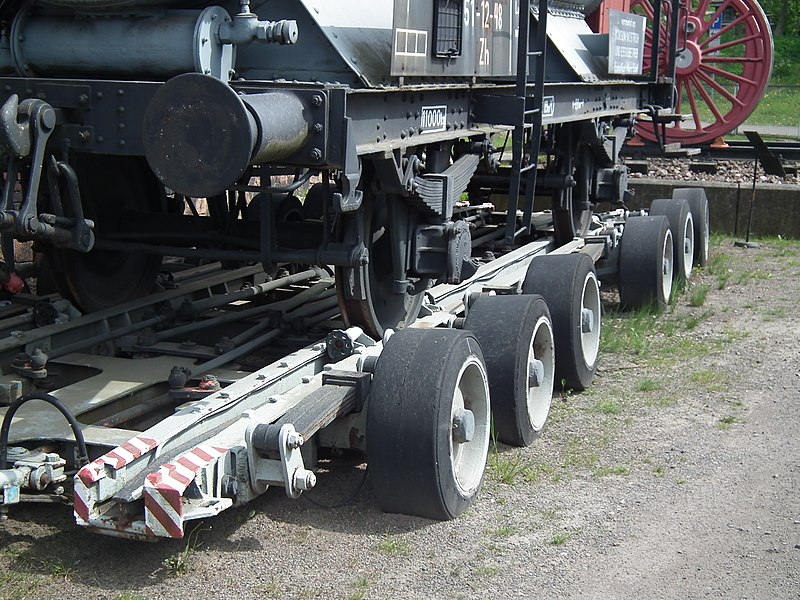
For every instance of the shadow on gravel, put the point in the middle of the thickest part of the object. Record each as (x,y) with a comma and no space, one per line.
(342,502)
(43,540)
(78,555)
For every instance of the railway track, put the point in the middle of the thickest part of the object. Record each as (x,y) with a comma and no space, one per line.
(734,150)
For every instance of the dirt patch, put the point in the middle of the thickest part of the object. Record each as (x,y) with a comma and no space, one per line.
(676,475)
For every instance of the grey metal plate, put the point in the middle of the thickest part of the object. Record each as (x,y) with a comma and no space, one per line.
(489,29)
(360,31)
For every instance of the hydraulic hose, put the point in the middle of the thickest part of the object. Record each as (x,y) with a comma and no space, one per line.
(83,454)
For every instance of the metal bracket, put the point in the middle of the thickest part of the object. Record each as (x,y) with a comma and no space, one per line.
(292,474)
(25,128)
(350,198)
(296,478)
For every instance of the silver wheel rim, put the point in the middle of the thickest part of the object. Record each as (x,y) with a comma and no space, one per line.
(468,458)
(541,373)
(706,234)
(666,266)
(688,246)
(590,332)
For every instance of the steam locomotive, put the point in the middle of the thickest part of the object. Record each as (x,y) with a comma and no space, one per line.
(406,116)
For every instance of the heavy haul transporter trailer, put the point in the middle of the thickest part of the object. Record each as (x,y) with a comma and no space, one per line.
(420,401)
(386,305)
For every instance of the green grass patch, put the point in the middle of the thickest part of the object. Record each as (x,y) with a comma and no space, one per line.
(508,467)
(535,472)
(709,380)
(392,546)
(726,422)
(560,539)
(647,385)
(619,471)
(360,586)
(607,407)
(774,314)
(698,294)
(627,332)
(692,320)
(505,531)
(178,564)
(779,106)
(486,571)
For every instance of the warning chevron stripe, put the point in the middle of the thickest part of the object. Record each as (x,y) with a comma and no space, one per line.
(116,458)
(163,490)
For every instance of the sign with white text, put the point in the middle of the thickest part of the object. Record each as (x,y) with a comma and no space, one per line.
(625,43)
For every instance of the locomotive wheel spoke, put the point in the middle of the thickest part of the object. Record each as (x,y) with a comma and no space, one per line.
(733,43)
(730,59)
(723,31)
(701,10)
(722,74)
(717,13)
(727,75)
(721,90)
(709,102)
(693,104)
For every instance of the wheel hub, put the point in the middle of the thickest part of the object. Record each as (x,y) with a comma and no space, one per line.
(587,320)
(688,60)
(535,373)
(463,426)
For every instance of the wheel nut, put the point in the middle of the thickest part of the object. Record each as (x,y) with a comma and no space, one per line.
(535,373)
(587,321)
(463,426)
(294,440)
(304,479)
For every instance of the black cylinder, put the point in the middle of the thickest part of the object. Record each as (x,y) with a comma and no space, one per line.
(200,135)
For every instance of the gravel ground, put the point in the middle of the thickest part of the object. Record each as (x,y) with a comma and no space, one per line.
(677,475)
(732,171)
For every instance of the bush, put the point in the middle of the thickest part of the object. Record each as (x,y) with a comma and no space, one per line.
(786,67)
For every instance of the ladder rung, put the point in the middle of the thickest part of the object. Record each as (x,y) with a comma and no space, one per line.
(528,168)
(532,111)
(535,53)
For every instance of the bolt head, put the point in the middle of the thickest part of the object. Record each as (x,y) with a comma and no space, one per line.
(463,426)
(304,479)
(587,320)
(535,373)
(294,440)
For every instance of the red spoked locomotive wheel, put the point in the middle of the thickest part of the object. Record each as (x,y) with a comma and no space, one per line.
(723,65)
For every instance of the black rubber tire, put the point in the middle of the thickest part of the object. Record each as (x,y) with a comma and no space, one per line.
(698,204)
(646,244)
(110,186)
(505,327)
(562,279)
(678,214)
(409,422)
